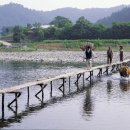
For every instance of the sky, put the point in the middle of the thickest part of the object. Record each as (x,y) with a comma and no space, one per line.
(47,5)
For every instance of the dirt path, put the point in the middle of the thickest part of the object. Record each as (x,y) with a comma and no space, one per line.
(5,43)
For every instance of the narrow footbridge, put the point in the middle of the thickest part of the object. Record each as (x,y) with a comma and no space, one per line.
(44,82)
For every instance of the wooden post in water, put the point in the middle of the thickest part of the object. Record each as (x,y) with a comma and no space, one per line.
(62,86)
(3,97)
(42,94)
(100,72)
(17,95)
(91,74)
(77,81)
(28,96)
(41,91)
(83,79)
(117,67)
(16,104)
(113,67)
(106,71)
(69,83)
(51,89)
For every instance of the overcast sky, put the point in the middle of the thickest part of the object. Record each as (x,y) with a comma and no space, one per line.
(46,5)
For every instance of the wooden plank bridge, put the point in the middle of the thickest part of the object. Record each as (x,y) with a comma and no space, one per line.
(43,81)
(102,69)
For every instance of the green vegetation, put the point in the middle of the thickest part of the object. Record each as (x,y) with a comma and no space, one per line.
(100,45)
(70,36)
(63,29)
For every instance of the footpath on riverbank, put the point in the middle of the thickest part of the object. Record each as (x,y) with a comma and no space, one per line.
(6,43)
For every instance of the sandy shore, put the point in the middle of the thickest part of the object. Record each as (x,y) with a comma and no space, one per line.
(57,56)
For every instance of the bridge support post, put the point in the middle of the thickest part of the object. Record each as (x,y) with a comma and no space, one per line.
(62,86)
(117,67)
(83,79)
(113,67)
(51,89)
(77,81)
(90,77)
(106,71)
(78,77)
(69,83)
(28,96)
(17,95)
(100,72)
(91,74)
(41,91)
(3,97)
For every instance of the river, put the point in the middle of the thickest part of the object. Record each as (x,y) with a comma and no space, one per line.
(105,105)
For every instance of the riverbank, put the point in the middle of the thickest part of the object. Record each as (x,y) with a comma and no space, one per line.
(57,56)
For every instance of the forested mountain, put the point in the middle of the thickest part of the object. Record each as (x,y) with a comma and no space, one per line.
(120,16)
(15,14)
(92,14)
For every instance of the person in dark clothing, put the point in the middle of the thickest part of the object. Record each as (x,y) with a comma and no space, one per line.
(121,53)
(88,53)
(109,55)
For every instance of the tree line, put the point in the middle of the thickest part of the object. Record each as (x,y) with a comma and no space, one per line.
(62,28)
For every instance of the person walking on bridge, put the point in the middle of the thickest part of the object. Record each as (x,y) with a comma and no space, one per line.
(121,53)
(88,53)
(109,55)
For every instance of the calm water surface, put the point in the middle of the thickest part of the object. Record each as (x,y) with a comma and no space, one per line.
(105,105)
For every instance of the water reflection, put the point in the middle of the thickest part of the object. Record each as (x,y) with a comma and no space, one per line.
(105,89)
(109,86)
(124,85)
(17,117)
(88,105)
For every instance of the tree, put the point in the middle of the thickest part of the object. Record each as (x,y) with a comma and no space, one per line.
(61,22)
(17,34)
(81,30)
(38,32)
(97,31)
(121,30)
(49,33)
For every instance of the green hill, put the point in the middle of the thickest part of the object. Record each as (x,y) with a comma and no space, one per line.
(15,14)
(120,16)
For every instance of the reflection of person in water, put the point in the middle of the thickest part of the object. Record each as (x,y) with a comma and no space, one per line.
(124,85)
(109,89)
(88,106)
(109,86)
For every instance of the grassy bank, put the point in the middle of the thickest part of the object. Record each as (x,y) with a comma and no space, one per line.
(100,44)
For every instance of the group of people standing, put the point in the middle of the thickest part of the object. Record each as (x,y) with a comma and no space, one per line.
(89,54)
